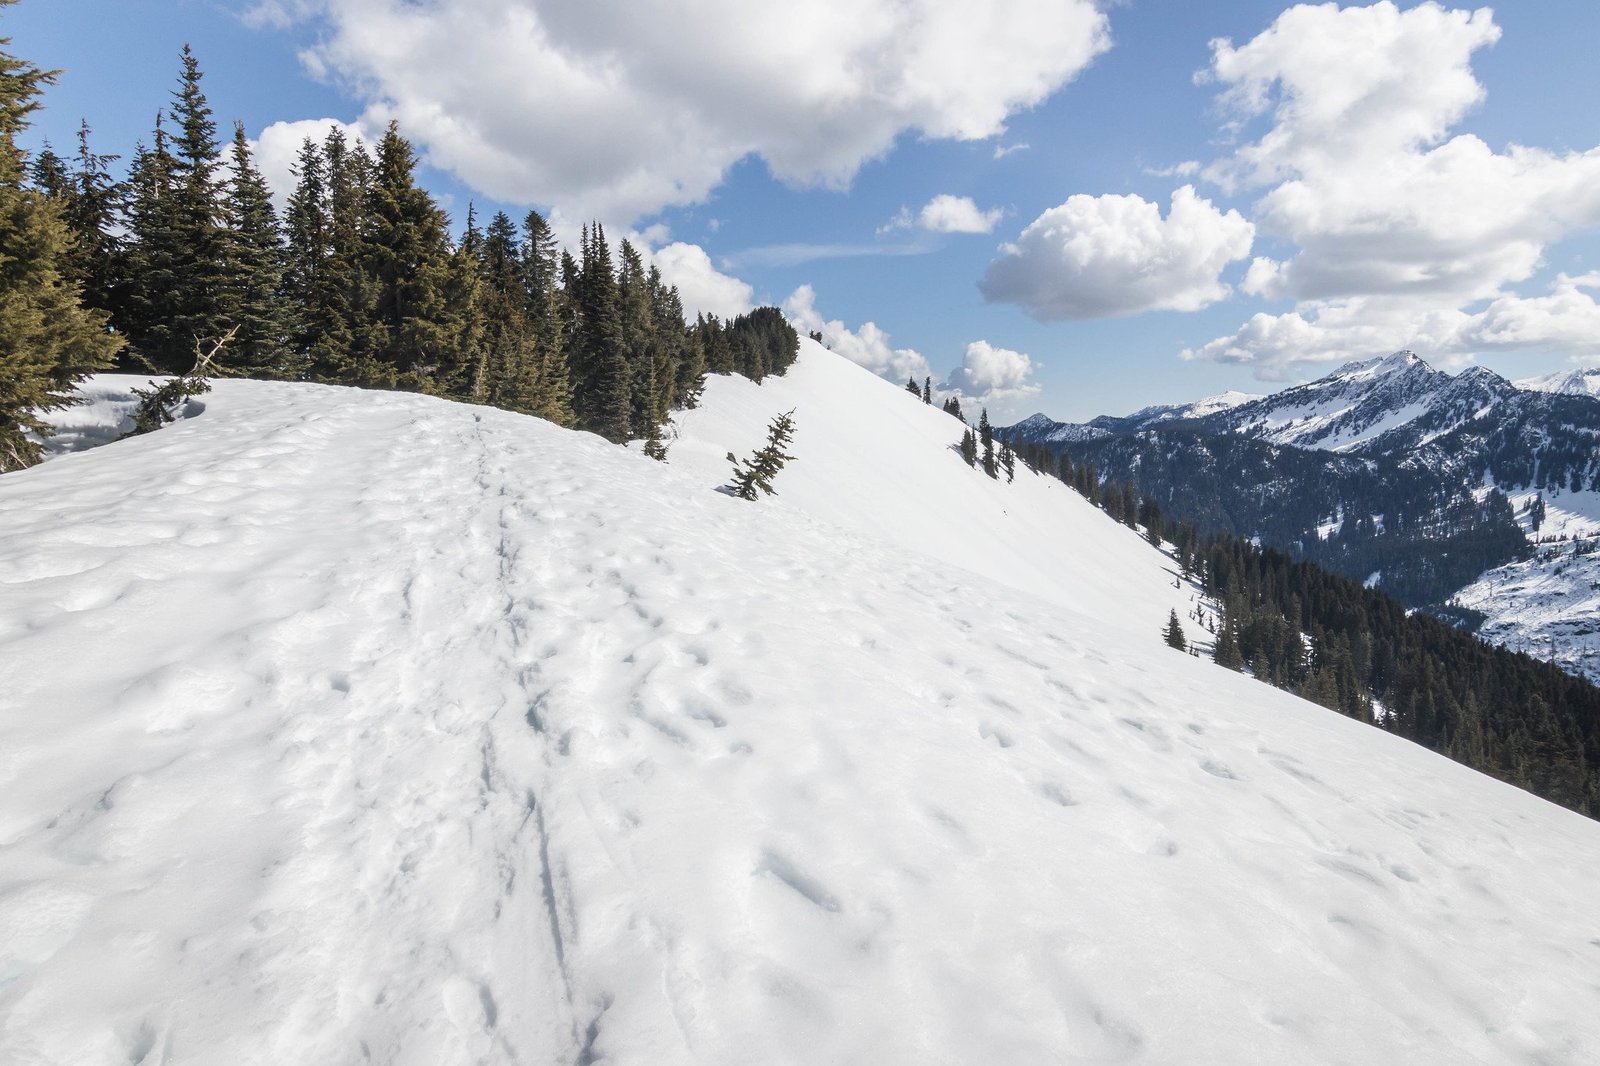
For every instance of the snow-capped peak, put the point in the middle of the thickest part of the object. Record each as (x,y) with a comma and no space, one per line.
(1583,382)
(1381,366)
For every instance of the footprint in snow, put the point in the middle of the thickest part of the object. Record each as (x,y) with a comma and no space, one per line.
(999,736)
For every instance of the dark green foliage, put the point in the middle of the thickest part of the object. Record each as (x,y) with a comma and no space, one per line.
(416,328)
(601,394)
(363,285)
(1008,461)
(952,406)
(771,333)
(913,388)
(986,438)
(757,472)
(653,446)
(969,448)
(1226,653)
(927,390)
(1173,634)
(252,297)
(93,209)
(176,219)
(48,341)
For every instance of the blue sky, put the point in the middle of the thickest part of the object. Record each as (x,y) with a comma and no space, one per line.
(1067,207)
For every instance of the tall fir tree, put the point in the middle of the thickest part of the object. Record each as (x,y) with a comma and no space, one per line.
(542,275)
(510,376)
(192,248)
(306,238)
(351,337)
(253,289)
(95,214)
(986,438)
(151,297)
(637,322)
(601,396)
(48,341)
(1174,633)
(416,334)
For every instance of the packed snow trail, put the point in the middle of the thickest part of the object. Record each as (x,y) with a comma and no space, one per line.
(347,727)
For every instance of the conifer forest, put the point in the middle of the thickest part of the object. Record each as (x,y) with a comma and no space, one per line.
(361,282)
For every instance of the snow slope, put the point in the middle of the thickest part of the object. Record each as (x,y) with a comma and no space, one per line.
(891,469)
(344,727)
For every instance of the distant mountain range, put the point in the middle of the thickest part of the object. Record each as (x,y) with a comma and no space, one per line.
(1394,473)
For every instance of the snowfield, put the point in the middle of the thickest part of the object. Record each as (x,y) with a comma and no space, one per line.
(346,727)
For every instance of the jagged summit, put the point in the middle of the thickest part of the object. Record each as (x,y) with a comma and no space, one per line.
(437,734)
(1397,362)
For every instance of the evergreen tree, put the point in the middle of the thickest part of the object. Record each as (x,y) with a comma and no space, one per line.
(640,346)
(416,332)
(542,272)
(986,438)
(506,373)
(94,213)
(151,298)
(1226,651)
(913,388)
(969,448)
(1008,460)
(757,472)
(652,444)
(601,398)
(466,320)
(183,251)
(48,175)
(47,340)
(253,291)
(679,370)
(927,391)
(1174,633)
(308,232)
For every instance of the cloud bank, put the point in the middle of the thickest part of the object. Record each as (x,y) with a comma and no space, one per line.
(617,108)
(1402,235)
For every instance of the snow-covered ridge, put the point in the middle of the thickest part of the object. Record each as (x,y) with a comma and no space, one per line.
(347,727)
(1584,382)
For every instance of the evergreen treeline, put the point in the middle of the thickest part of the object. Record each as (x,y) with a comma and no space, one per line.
(48,340)
(360,283)
(1359,651)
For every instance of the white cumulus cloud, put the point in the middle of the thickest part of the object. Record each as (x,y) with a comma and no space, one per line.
(616,108)
(701,286)
(1398,230)
(1104,256)
(868,346)
(957,214)
(997,378)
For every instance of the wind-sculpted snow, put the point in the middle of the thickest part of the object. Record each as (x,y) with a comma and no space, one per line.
(342,727)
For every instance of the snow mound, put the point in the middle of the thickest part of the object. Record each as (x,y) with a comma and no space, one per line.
(346,727)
